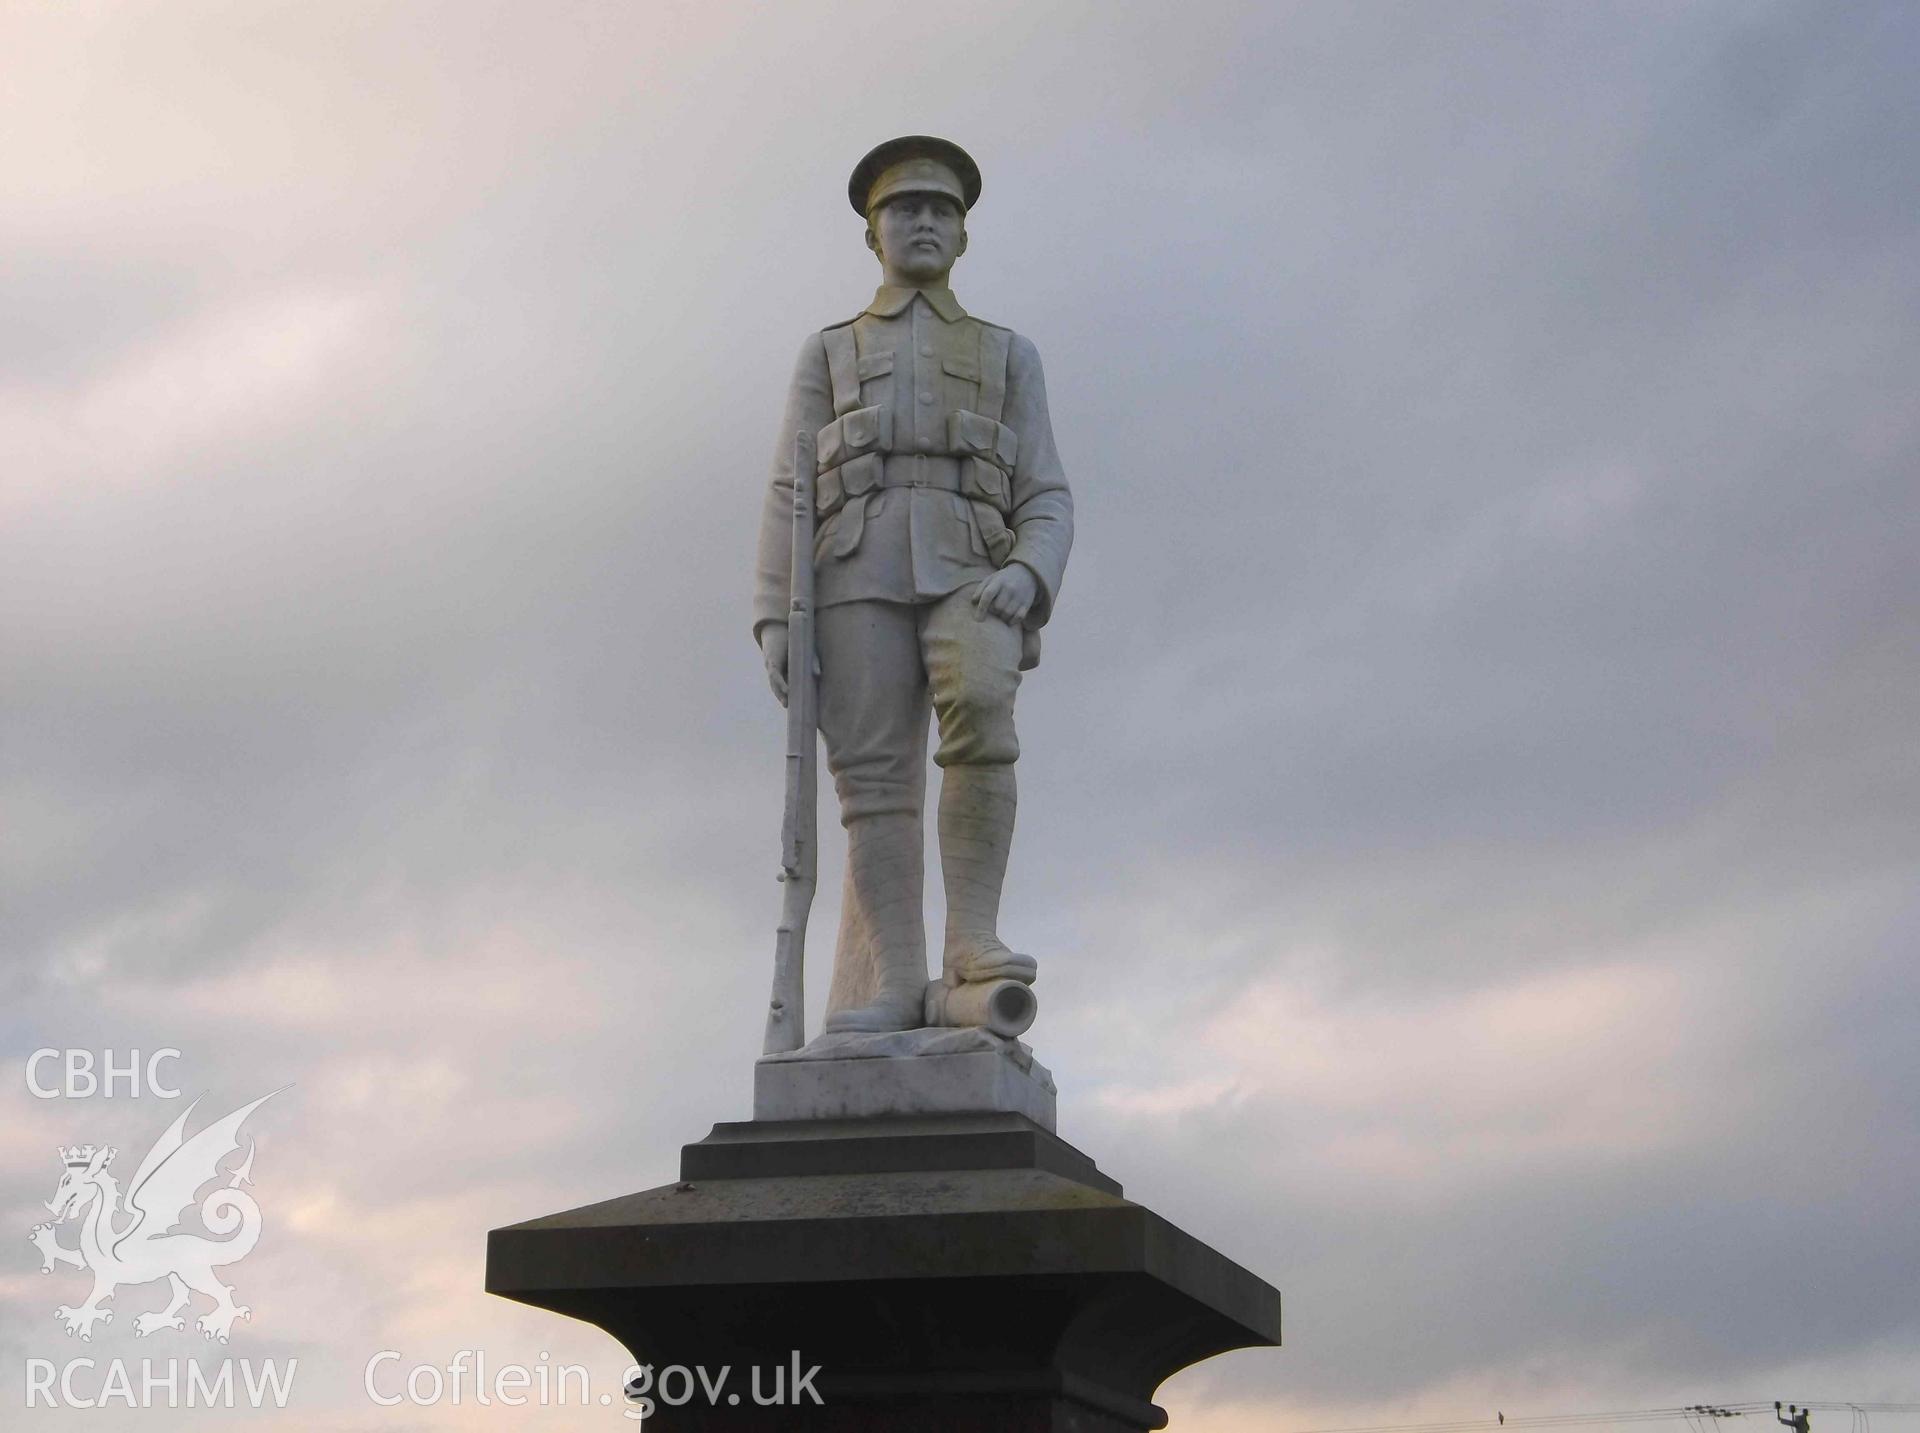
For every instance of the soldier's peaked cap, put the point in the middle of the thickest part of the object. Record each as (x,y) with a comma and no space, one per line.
(913,164)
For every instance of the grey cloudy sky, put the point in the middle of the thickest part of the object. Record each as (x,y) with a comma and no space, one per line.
(1470,814)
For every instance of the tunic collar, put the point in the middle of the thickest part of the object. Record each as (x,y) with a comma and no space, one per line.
(891,299)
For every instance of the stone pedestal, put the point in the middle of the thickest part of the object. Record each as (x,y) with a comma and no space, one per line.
(931,1071)
(945,1272)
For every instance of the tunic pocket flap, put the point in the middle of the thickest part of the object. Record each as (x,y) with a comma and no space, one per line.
(983,482)
(841,533)
(994,532)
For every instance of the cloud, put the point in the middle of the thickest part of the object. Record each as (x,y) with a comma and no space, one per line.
(1467,813)
(228,375)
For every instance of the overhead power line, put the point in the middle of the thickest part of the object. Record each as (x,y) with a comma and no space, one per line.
(1501,1422)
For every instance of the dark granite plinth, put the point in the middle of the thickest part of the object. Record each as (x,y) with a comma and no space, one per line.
(947,1273)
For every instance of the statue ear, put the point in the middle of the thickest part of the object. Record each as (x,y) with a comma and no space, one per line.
(963,243)
(873,239)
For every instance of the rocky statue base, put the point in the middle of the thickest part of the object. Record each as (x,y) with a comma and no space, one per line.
(912,1072)
(945,1272)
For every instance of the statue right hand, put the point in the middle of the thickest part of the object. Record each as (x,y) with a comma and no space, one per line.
(773,651)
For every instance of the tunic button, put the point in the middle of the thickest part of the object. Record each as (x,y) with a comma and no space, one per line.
(926,398)
(926,351)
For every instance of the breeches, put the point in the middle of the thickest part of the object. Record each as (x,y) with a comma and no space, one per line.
(883,666)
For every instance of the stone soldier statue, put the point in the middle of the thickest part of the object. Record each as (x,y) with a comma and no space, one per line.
(944,526)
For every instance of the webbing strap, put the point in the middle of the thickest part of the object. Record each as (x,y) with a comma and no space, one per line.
(843,366)
(994,343)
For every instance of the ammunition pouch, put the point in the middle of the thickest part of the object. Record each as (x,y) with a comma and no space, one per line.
(865,430)
(969,435)
(986,450)
(856,457)
(850,456)
(850,480)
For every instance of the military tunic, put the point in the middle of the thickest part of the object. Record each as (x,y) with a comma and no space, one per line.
(919,493)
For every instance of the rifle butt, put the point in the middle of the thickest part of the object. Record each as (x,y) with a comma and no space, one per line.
(786,1009)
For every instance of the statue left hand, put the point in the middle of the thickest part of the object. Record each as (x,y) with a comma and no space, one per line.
(1008,594)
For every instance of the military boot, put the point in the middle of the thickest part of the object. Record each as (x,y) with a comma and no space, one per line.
(976,832)
(880,971)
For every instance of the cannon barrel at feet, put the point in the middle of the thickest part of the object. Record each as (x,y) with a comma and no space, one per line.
(1006,1007)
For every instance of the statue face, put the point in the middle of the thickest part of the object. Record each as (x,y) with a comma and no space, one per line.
(917,236)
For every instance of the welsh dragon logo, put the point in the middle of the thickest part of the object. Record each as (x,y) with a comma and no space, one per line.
(135,1244)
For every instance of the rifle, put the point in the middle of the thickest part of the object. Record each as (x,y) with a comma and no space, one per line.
(800,824)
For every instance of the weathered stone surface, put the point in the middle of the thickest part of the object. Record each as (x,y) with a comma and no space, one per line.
(913,540)
(927,1040)
(908,1072)
(946,1273)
